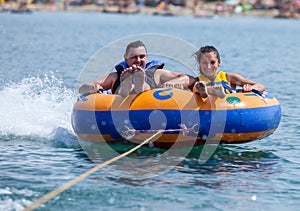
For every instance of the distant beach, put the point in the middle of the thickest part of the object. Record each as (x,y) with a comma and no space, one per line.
(281,9)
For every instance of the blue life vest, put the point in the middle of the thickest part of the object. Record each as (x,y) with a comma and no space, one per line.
(123,65)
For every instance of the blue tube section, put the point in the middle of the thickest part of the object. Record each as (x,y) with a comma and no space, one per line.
(236,121)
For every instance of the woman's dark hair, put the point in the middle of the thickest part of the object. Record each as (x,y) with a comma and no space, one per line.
(207,49)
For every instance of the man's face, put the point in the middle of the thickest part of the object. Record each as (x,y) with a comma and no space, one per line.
(137,56)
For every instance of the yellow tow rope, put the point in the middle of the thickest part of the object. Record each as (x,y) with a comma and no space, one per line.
(69,184)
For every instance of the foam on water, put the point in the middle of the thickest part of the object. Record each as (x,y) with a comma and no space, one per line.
(8,204)
(35,106)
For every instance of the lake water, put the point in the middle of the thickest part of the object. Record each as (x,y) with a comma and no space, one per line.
(42,57)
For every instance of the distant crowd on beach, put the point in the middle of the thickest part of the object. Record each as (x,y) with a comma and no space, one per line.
(276,8)
(198,8)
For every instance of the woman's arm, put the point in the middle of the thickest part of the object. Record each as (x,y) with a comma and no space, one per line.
(246,84)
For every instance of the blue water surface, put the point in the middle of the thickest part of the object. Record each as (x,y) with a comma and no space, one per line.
(41,57)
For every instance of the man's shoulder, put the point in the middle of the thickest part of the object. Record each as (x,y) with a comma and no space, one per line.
(113,73)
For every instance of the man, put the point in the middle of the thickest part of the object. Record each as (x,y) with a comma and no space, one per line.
(135,74)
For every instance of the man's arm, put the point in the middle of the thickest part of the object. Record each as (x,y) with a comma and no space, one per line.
(167,78)
(105,82)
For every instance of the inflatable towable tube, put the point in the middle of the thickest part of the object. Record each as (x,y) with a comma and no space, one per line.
(184,117)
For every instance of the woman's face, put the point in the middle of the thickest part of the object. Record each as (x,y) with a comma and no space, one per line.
(209,64)
(136,56)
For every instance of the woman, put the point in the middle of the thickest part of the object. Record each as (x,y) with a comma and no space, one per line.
(214,82)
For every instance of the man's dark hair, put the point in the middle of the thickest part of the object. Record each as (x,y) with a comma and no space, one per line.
(135,44)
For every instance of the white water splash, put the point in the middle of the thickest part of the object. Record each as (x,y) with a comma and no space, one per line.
(35,106)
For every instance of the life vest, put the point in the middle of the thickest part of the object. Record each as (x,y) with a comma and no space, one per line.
(220,79)
(154,64)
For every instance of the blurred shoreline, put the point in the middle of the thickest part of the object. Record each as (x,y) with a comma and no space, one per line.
(194,8)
